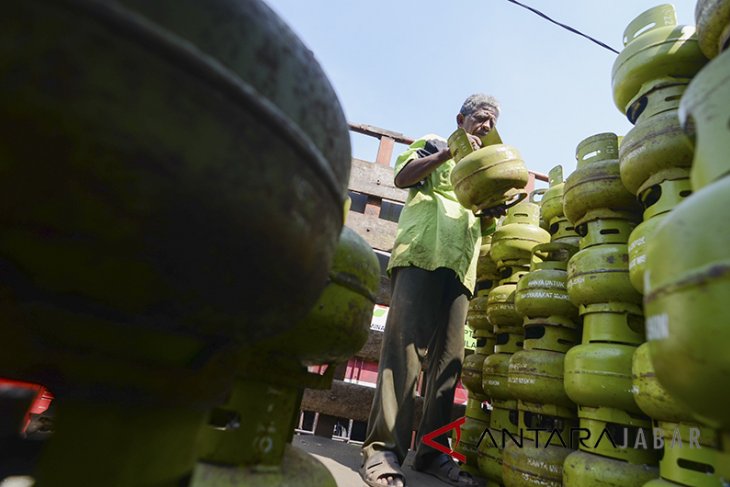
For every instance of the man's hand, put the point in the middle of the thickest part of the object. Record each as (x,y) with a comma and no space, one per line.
(494,212)
(475,141)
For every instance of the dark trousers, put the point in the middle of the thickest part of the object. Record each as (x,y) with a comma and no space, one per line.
(425,322)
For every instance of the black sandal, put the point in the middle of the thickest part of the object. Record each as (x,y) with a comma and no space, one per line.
(381,465)
(445,468)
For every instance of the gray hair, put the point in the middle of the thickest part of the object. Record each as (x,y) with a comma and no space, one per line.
(477,101)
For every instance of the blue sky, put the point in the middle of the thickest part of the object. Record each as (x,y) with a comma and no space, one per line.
(407,65)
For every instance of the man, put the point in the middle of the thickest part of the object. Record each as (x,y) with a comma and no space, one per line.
(433,274)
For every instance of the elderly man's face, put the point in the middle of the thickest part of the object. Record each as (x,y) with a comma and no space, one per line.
(479,123)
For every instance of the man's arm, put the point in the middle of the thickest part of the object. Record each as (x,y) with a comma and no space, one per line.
(419,169)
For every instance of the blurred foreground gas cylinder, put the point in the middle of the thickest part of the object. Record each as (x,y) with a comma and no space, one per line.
(170,171)
(251,432)
(713,26)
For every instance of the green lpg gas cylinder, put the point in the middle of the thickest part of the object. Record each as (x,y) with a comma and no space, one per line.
(485,342)
(658,200)
(543,292)
(489,456)
(703,112)
(551,205)
(655,47)
(486,267)
(687,290)
(471,373)
(472,431)
(595,189)
(494,376)
(563,231)
(476,315)
(691,455)
(528,466)
(490,176)
(599,375)
(656,149)
(509,342)
(338,324)
(519,233)
(600,274)
(161,193)
(504,415)
(553,336)
(537,376)
(256,188)
(613,322)
(713,26)
(583,469)
(650,395)
(501,309)
(618,435)
(547,424)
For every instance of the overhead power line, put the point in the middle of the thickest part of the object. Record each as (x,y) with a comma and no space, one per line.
(567,27)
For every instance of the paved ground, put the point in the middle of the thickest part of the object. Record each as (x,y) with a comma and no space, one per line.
(343,460)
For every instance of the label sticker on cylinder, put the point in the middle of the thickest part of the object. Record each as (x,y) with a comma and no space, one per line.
(657,327)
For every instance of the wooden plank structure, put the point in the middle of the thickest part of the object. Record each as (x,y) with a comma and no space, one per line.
(373,215)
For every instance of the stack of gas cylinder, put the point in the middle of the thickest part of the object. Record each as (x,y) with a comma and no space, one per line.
(171,212)
(511,250)
(535,376)
(598,371)
(477,416)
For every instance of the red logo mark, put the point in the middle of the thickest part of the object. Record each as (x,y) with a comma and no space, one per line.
(428,439)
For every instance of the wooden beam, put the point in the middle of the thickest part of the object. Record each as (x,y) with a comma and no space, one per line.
(378,233)
(375,180)
(373,131)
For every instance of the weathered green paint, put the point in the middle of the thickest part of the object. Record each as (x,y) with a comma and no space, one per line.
(713,26)
(551,205)
(543,292)
(519,232)
(594,190)
(583,469)
(613,322)
(650,395)
(683,461)
(704,112)
(501,309)
(655,47)
(476,316)
(494,376)
(533,467)
(489,177)
(688,288)
(489,456)
(537,376)
(119,444)
(600,274)
(471,373)
(599,375)
(509,342)
(550,335)
(656,149)
(623,436)
(338,324)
